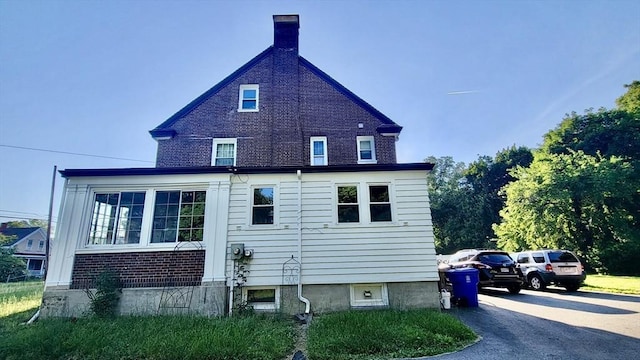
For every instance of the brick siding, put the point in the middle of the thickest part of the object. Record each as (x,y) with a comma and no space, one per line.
(141,269)
(294,105)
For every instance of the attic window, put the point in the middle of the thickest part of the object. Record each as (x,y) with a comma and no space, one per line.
(249,95)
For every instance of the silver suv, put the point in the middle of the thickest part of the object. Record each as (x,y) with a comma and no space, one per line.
(545,267)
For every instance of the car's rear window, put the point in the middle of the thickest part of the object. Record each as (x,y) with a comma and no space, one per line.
(538,257)
(495,258)
(561,256)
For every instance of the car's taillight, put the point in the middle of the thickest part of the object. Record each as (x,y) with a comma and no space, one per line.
(548,267)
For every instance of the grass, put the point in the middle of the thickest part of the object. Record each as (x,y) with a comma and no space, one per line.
(613,284)
(149,337)
(20,296)
(383,334)
(349,335)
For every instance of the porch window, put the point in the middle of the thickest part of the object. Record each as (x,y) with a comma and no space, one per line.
(116,218)
(262,207)
(35,265)
(348,209)
(178,216)
(379,204)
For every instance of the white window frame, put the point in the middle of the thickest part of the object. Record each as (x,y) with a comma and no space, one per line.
(390,203)
(241,98)
(29,244)
(251,205)
(337,203)
(223,141)
(371,140)
(312,155)
(262,306)
(359,301)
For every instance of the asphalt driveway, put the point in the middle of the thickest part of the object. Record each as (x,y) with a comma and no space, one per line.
(551,325)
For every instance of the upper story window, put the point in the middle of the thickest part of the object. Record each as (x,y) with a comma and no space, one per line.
(41,245)
(348,209)
(318,147)
(178,216)
(29,244)
(249,97)
(262,206)
(116,218)
(224,152)
(379,203)
(366,150)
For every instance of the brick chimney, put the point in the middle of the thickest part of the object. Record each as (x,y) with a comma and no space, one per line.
(286,131)
(285,34)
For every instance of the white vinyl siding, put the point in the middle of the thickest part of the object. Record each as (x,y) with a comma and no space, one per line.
(365,252)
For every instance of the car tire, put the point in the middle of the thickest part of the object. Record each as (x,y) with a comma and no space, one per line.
(572,287)
(536,282)
(514,289)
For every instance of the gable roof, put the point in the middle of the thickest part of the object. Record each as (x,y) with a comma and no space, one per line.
(164,130)
(19,233)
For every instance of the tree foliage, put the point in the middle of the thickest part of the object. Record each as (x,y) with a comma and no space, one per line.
(465,201)
(582,191)
(10,266)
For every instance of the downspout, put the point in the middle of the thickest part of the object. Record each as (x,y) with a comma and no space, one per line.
(232,281)
(307,308)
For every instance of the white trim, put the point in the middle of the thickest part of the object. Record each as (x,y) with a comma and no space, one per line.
(371,140)
(255,87)
(222,141)
(379,293)
(325,160)
(262,306)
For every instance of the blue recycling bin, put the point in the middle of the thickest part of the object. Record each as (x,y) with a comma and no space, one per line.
(465,285)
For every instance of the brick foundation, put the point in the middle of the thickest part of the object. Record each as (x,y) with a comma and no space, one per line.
(141,269)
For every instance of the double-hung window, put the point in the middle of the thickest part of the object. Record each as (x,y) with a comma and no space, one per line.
(262,206)
(178,216)
(224,152)
(379,203)
(366,150)
(116,218)
(318,150)
(348,209)
(249,98)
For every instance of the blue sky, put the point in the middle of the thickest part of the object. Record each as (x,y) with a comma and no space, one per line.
(464,78)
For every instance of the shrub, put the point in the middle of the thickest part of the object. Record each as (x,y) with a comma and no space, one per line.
(104,301)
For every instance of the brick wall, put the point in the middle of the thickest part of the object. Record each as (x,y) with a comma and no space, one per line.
(294,105)
(141,269)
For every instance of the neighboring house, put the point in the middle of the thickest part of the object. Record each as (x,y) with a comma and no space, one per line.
(277,188)
(28,244)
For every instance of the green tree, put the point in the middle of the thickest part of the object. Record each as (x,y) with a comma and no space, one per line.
(28,223)
(630,101)
(10,266)
(574,201)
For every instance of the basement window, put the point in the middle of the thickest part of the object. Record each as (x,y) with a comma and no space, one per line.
(262,298)
(369,295)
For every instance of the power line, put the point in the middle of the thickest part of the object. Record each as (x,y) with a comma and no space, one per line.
(72,153)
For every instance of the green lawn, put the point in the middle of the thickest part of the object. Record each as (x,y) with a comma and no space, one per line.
(348,335)
(385,334)
(613,284)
